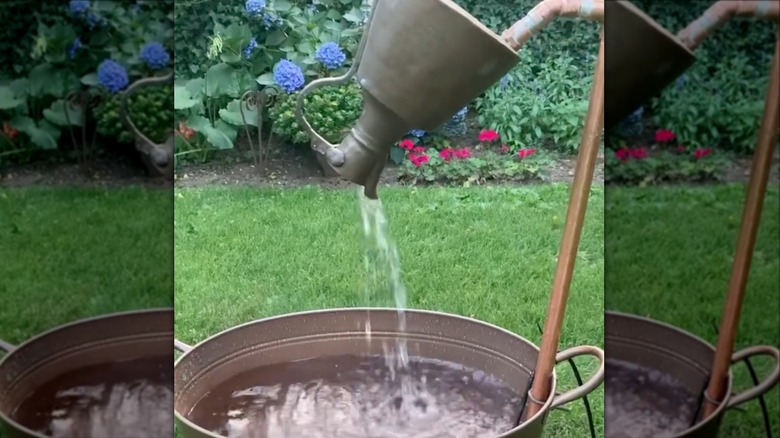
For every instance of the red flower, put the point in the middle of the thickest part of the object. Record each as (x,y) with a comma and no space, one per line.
(488,135)
(418,160)
(638,153)
(9,130)
(664,135)
(406,144)
(702,152)
(623,154)
(186,131)
(419,149)
(446,154)
(504,148)
(525,153)
(462,154)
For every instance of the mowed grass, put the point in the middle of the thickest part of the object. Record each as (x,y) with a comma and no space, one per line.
(489,253)
(668,256)
(72,253)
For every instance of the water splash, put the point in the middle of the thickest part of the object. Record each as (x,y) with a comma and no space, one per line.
(383,275)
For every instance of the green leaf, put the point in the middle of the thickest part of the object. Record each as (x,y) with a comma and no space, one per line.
(354,16)
(266,79)
(217,137)
(221,81)
(44,136)
(56,114)
(90,80)
(275,38)
(7,99)
(182,99)
(232,114)
(196,88)
(282,6)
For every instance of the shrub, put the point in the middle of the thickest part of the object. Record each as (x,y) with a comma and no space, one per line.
(88,47)
(270,46)
(331,111)
(718,101)
(539,102)
(149,108)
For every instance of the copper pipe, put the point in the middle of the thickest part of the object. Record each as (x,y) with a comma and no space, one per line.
(720,12)
(546,11)
(751,218)
(575,217)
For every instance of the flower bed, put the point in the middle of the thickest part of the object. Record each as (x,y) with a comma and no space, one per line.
(489,160)
(665,161)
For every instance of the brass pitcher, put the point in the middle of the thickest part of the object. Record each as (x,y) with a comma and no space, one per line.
(418,63)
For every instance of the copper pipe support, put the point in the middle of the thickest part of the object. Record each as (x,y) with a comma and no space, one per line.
(546,11)
(723,10)
(575,217)
(751,218)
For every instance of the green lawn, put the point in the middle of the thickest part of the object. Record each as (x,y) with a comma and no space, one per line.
(668,256)
(68,254)
(244,254)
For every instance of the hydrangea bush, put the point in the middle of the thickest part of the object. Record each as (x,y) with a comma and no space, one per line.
(95,47)
(273,46)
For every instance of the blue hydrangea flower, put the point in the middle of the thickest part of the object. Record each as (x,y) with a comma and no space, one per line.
(250,48)
(504,82)
(631,126)
(456,126)
(331,55)
(419,133)
(112,75)
(94,20)
(270,20)
(73,48)
(154,55)
(78,7)
(288,76)
(680,82)
(255,7)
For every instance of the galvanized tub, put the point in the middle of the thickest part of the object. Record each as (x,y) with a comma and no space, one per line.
(680,355)
(102,340)
(336,332)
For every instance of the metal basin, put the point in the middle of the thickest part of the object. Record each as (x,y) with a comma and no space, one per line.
(95,342)
(340,332)
(677,356)
(642,58)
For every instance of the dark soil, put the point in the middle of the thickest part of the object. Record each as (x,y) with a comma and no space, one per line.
(289,166)
(122,167)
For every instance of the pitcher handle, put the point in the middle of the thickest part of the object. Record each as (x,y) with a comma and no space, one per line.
(587,387)
(181,346)
(768,383)
(5,347)
(335,156)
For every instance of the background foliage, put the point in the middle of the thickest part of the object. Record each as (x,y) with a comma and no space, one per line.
(718,102)
(95,47)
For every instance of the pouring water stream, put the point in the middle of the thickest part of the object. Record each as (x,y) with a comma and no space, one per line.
(383,276)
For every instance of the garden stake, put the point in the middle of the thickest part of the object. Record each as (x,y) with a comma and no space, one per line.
(256,100)
(80,101)
(575,217)
(751,217)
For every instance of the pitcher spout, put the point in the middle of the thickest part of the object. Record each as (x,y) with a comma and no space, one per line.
(362,155)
